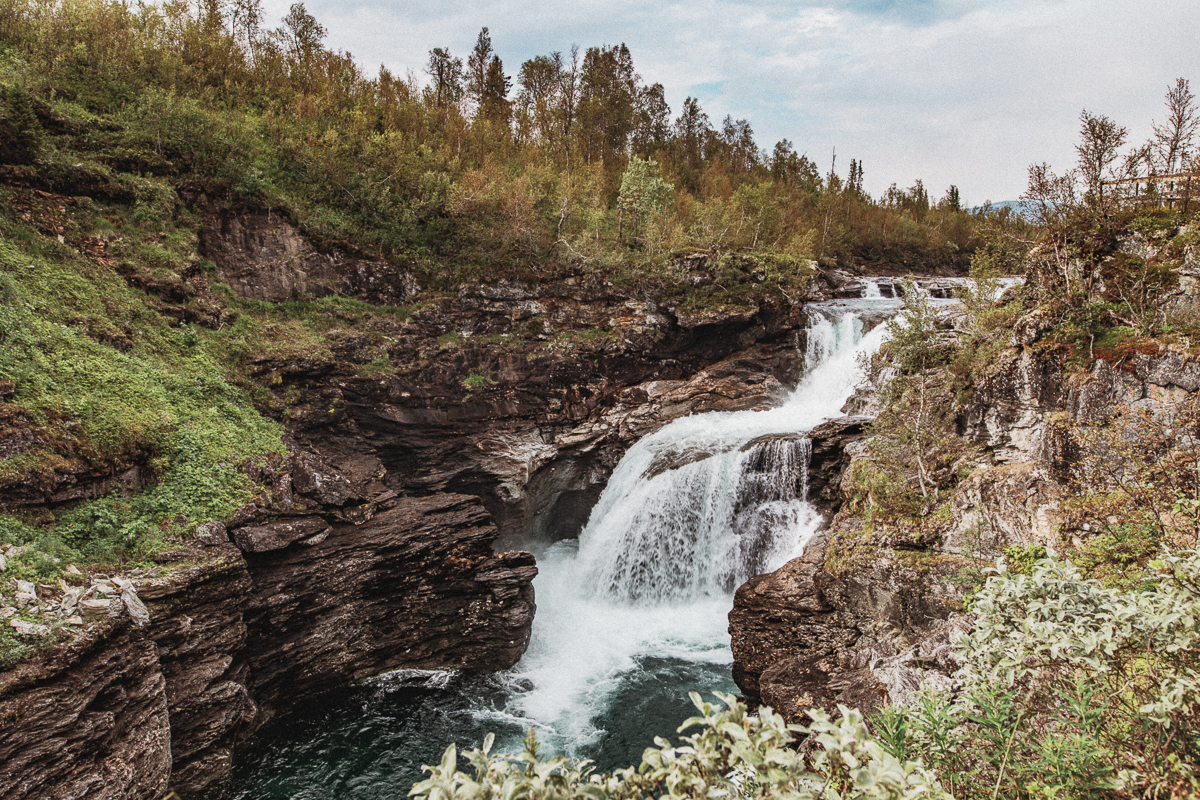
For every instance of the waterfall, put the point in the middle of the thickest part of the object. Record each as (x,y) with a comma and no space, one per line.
(702,505)
(633,614)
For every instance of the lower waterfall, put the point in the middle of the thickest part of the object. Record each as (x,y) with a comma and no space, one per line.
(631,616)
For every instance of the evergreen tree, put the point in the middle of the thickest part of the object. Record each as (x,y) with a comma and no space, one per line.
(477,68)
(20,131)
(951,200)
(493,102)
(691,132)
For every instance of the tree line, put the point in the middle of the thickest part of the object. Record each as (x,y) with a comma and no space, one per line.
(466,167)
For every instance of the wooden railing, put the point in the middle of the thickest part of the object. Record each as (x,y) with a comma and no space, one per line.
(1166,190)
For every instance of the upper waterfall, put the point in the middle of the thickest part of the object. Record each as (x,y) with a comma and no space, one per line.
(708,501)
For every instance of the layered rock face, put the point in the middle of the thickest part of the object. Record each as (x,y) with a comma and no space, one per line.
(804,637)
(831,627)
(370,546)
(417,585)
(124,711)
(265,257)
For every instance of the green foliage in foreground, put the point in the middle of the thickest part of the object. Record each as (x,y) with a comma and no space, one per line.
(734,754)
(1070,690)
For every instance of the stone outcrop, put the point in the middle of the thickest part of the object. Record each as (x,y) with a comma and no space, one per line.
(417,585)
(99,728)
(872,618)
(125,711)
(806,637)
(832,442)
(263,256)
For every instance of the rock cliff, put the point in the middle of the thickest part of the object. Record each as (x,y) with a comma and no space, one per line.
(869,620)
(125,710)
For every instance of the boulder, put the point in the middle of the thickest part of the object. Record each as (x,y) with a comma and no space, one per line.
(278,535)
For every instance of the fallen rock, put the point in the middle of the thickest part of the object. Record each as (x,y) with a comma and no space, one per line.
(278,535)
(71,597)
(211,533)
(313,477)
(137,610)
(94,607)
(24,628)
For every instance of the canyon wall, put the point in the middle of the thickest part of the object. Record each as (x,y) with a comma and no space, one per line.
(869,626)
(370,545)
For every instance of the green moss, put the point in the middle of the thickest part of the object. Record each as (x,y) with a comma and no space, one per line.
(109,382)
(478,380)
(377,368)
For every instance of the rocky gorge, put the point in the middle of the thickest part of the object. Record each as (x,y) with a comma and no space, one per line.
(371,545)
(422,447)
(870,613)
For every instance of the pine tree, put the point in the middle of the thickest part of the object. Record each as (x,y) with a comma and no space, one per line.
(20,131)
(493,102)
(477,68)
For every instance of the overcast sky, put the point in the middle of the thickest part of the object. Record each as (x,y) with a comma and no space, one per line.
(968,92)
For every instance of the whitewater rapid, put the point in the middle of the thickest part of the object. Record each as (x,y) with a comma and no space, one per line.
(690,513)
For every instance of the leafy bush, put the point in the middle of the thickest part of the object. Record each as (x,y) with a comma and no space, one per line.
(1069,689)
(1021,560)
(735,754)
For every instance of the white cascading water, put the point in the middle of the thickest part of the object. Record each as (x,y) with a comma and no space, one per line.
(690,513)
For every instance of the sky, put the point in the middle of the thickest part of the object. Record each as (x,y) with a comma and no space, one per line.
(963,92)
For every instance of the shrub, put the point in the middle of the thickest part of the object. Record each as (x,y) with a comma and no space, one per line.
(734,754)
(1069,689)
(1135,486)
(477,380)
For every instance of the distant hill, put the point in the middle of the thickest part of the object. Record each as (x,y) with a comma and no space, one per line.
(1022,207)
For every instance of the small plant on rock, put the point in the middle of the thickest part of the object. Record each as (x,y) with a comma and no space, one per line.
(477,380)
